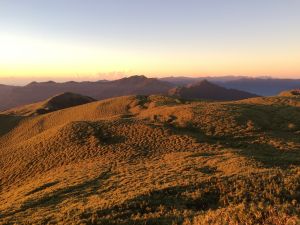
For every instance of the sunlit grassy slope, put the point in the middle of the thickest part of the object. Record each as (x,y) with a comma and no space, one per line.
(153,160)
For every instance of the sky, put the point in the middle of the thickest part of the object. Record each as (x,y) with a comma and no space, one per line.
(108,39)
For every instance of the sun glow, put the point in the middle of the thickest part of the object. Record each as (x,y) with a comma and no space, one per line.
(23,56)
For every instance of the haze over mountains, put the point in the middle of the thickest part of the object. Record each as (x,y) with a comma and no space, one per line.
(13,96)
(141,85)
(264,86)
(35,92)
(206,90)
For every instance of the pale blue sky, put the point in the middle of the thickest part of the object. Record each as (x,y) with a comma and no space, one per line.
(138,35)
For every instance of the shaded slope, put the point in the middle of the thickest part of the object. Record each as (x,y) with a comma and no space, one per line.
(207,90)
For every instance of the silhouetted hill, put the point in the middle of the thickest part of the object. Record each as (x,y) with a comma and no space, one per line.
(39,91)
(61,101)
(207,90)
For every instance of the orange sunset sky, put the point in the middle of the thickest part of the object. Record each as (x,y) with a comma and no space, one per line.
(64,39)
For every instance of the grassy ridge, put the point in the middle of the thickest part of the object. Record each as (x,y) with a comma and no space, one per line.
(153,160)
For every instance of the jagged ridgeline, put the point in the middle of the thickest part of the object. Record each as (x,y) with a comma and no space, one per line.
(151,160)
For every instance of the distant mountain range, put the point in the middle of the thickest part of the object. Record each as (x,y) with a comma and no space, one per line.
(225,88)
(208,90)
(182,81)
(264,86)
(34,92)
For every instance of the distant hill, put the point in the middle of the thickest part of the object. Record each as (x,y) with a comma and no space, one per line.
(182,81)
(264,86)
(61,101)
(35,91)
(207,90)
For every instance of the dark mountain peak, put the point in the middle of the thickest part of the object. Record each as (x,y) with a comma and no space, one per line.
(49,82)
(46,83)
(33,83)
(202,83)
(136,78)
(207,90)
(142,80)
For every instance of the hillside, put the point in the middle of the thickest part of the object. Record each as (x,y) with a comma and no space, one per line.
(153,160)
(36,92)
(61,101)
(291,93)
(207,90)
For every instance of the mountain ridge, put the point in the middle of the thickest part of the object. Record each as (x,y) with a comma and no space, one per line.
(35,91)
(207,90)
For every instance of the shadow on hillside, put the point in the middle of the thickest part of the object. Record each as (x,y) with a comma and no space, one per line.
(54,198)
(8,122)
(161,201)
(43,187)
(274,117)
(264,153)
(247,146)
(209,195)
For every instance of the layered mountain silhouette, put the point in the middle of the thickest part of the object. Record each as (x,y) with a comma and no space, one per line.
(264,86)
(135,85)
(226,88)
(35,91)
(207,90)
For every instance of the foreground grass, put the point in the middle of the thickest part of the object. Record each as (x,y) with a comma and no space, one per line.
(154,160)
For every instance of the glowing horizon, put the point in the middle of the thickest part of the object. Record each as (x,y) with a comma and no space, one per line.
(70,39)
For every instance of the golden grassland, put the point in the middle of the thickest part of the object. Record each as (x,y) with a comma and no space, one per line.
(153,160)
